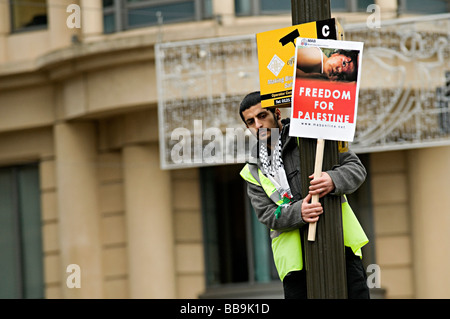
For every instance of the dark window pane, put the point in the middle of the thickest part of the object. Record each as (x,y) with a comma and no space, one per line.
(30,225)
(171,13)
(237,245)
(427,7)
(243,7)
(108,3)
(225,225)
(363,4)
(207,9)
(109,23)
(338,5)
(21,252)
(262,254)
(275,6)
(28,14)
(10,280)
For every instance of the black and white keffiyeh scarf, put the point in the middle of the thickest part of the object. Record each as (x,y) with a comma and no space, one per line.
(273,168)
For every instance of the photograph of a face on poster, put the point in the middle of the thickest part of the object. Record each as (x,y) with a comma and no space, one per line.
(327,63)
(325,89)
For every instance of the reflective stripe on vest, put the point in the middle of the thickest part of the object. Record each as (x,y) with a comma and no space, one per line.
(284,244)
(265,183)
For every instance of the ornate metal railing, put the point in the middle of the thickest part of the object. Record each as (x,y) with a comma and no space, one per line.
(402,101)
(200,86)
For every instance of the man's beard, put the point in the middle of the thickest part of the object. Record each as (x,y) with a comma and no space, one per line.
(269,139)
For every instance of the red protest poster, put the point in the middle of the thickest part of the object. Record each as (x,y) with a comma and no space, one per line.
(325,90)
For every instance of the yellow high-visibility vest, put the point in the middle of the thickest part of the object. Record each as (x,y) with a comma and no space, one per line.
(287,246)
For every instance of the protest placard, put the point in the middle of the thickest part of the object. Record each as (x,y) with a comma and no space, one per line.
(325,91)
(276,57)
(325,95)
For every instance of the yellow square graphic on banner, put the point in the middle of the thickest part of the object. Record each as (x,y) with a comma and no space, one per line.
(276,50)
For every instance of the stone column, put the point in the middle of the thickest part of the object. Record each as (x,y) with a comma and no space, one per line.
(91,18)
(224,9)
(60,34)
(4,28)
(149,221)
(79,229)
(429,175)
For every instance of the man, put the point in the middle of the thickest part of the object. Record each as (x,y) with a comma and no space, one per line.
(341,65)
(274,188)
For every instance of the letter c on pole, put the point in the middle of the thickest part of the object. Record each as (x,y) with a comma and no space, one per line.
(325,30)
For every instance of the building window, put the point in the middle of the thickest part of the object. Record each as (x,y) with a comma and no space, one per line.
(350,5)
(260,7)
(21,252)
(28,15)
(122,15)
(237,245)
(424,7)
(362,205)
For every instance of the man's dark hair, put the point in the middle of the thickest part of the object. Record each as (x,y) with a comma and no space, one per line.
(250,100)
(353,55)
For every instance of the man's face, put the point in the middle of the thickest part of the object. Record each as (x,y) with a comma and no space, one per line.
(339,67)
(257,118)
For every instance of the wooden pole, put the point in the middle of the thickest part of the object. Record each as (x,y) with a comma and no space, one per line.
(317,174)
(324,258)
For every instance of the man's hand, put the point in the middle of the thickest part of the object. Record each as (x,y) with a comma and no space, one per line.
(311,212)
(322,185)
